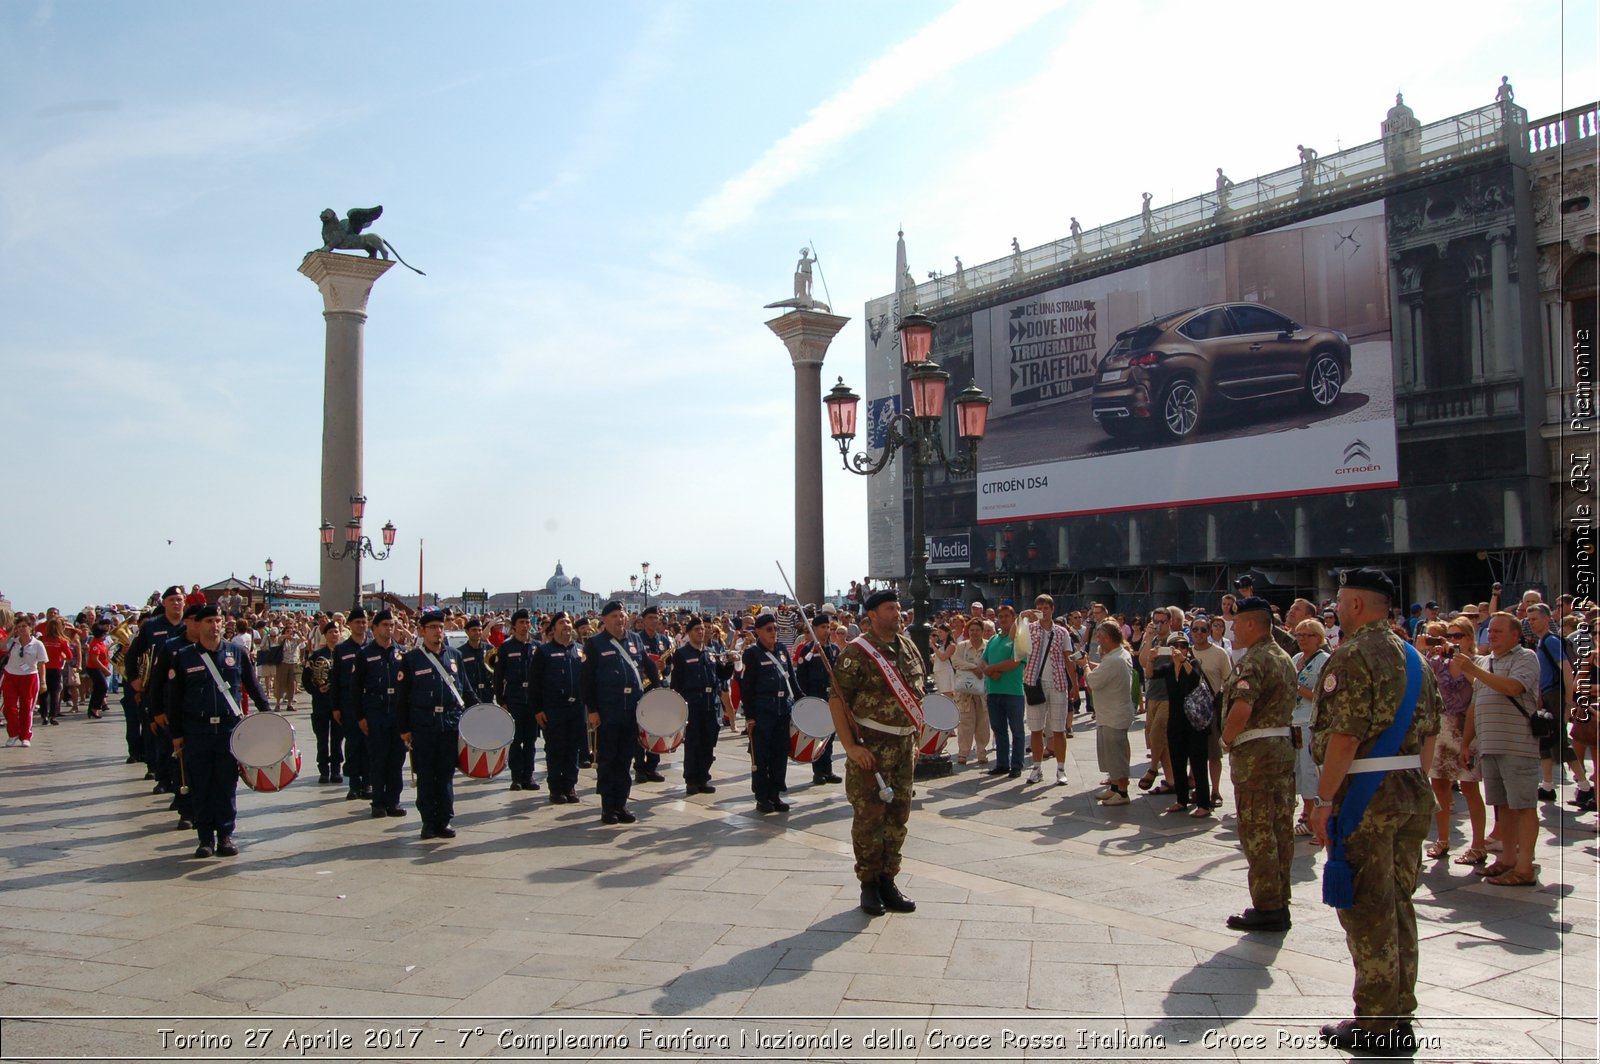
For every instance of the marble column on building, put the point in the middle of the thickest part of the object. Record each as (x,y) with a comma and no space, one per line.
(806,334)
(1302,532)
(345,282)
(1503,359)
(1400,530)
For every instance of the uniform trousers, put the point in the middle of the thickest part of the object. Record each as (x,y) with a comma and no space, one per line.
(433,758)
(1385,857)
(700,744)
(1266,832)
(616,741)
(822,767)
(213,781)
(357,761)
(521,759)
(566,734)
(132,725)
(19,693)
(878,830)
(386,754)
(769,750)
(645,761)
(330,741)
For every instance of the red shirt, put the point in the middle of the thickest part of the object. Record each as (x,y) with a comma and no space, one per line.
(57,651)
(195,598)
(99,656)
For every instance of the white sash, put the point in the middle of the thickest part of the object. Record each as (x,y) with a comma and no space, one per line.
(788,685)
(897,684)
(211,666)
(638,677)
(460,703)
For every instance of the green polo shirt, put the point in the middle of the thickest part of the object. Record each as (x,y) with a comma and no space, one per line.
(999,649)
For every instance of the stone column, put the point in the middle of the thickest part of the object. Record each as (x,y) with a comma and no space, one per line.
(807,334)
(345,282)
(1504,360)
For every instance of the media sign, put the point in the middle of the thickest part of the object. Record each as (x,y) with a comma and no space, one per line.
(950,552)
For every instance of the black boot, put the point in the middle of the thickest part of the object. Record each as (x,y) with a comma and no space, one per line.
(1260,920)
(893,900)
(871,898)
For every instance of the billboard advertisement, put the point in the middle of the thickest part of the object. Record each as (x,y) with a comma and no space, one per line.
(949,551)
(1254,369)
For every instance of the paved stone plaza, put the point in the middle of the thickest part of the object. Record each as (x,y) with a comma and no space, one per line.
(1040,914)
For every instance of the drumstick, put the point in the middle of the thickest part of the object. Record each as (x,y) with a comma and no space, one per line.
(183,775)
(822,651)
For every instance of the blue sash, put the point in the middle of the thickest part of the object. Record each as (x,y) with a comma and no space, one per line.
(1338,885)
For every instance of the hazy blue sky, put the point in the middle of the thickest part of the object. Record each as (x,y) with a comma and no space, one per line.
(603,197)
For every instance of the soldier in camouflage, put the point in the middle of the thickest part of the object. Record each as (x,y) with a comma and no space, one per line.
(1256,734)
(1362,687)
(878,738)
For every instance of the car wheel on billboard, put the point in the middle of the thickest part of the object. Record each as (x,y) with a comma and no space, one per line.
(1324,382)
(1179,409)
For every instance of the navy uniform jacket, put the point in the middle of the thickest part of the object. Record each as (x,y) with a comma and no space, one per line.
(812,672)
(555,680)
(768,685)
(699,676)
(155,694)
(610,687)
(377,682)
(346,694)
(480,676)
(511,672)
(195,705)
(425,697)
(152,633)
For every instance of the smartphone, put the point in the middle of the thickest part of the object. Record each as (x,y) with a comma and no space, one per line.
(1163,652)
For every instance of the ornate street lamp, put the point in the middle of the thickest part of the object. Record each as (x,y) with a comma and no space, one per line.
(918,433)
(356,544)
(643,581)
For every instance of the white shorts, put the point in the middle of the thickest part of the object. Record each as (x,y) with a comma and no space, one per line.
(1049,716)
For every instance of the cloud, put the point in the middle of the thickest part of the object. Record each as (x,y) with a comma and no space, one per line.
(967,30)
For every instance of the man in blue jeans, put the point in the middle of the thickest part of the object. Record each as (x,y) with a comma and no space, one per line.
(1002,685)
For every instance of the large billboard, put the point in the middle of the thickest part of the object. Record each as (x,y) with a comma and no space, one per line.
(1254,369)
(886,522)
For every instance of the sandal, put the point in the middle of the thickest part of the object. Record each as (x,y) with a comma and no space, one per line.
(1176,807)
(1437,850)
(1200,812)
(1474,856)
(1301,827)
(1148,780)
(1497,869)
(1514,879)
(1165,788)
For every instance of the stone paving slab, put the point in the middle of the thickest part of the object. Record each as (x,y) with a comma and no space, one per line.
(1041,914)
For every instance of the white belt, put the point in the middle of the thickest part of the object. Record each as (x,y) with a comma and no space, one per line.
(1262,733)
(1386,764)
(887,729)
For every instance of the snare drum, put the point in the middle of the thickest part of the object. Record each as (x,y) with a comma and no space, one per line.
(662,716)
(263,745)
(941,715)
(483,739)
(810,728)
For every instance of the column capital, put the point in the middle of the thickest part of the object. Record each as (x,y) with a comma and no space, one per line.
(344,280)
(807,334)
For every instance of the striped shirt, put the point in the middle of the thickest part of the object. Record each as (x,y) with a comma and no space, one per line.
(1501,727)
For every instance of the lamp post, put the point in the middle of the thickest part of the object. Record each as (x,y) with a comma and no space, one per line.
(356,545)
(642,581)
(918,434)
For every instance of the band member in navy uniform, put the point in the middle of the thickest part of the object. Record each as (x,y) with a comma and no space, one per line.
(658,644)
(475,660)
(554,684)
(378,715)
(699,674)
(814,683)
(433,692)
(157,743)
(768,689)
(347,708)
(155,696)
(512,688)
(202,696)
(317,680)
(616,671)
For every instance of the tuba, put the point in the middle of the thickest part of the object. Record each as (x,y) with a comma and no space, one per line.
(320,668)
(121,636)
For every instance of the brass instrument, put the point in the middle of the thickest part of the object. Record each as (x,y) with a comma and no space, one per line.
(145,666)
(321,669)
(490,656)
(122,636)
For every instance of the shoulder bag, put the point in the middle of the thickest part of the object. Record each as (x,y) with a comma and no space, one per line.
(1034,692)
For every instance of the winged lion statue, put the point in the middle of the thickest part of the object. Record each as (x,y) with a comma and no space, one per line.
(348,235)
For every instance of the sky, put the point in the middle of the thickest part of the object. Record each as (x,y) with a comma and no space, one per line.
(603,197)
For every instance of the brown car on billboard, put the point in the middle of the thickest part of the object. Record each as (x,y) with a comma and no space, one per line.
(1174,371)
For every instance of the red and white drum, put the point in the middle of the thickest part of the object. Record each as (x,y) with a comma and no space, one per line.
(483,739)
(942,716)
(263,745)
(810,728)
(662,716)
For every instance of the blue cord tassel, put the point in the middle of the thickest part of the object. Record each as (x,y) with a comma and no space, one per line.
(1338,883)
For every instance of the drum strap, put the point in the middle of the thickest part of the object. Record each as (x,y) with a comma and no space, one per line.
(211,666)
(638,677)
(897,684)
(787,683)
(444,677)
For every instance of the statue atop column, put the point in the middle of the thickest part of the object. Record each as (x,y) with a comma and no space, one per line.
(347,234)
(803,299)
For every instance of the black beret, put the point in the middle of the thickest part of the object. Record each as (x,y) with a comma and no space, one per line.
(1254,602)
(429,616)
(191,612)
(173,590)
(550,621)
(1368,579)
(693,621)
(330,626)
(765,619)
(878,598)
(521,615)
(650,611)
(1245,581)
(202,612)
(382,615)
(611,607)
(358,614)
(474,622)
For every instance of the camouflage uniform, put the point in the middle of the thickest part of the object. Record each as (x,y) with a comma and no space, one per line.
(1262,771)
(878,830)
(1360,692)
